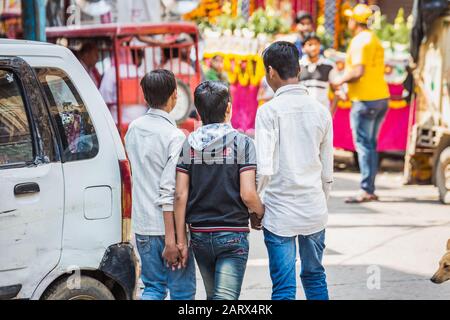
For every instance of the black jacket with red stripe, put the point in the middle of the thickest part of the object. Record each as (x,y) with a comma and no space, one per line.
(214,202)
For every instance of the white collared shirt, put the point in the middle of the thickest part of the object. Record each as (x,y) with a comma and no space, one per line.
(153,144)
(316,77)
(294,145)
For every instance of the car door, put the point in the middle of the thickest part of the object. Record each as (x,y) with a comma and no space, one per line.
(31,183)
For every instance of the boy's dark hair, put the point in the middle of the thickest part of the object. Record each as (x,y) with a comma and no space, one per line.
(158,85)
(301,15)
(283,56)
(310,36)
(211,100)
(137,56)
(87,47)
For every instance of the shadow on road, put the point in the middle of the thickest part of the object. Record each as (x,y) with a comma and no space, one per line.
(355,282)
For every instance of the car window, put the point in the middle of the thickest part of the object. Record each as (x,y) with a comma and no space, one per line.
(15,135)
(77,132)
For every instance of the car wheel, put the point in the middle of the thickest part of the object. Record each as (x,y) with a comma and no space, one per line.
(184,103)
(443,176)
(86,288)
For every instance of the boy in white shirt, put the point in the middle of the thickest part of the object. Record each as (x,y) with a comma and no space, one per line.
(294,146)
(317,72)
(153,144)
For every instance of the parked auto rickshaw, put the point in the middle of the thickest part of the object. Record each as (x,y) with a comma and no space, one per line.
(128,51)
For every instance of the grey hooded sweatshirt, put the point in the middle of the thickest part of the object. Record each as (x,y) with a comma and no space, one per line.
(214,156)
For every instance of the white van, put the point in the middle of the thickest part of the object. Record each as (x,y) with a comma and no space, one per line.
(65,185)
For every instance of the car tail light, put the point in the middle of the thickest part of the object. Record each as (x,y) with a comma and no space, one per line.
(125,175)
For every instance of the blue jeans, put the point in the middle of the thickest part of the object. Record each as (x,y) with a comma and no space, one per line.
(366,118)
(282,256)
(222,259)
(158,278)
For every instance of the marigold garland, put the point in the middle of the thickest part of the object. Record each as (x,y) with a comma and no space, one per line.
(243,69)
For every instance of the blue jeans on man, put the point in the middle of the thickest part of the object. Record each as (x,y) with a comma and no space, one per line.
(366,118)
(158,278)
(222,260)
(282,257)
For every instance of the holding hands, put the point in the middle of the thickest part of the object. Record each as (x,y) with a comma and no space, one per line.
(172,255)
(256,221)
(176,255)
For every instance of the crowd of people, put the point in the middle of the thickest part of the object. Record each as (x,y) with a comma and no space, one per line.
(193,197)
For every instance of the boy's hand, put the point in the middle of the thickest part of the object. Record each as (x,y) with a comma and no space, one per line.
(255,222)
(184,254)
(340,94)
(171,255)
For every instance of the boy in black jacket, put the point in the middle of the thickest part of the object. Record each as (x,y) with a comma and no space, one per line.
(215,190)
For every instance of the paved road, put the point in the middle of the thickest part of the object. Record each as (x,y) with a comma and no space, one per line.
(401,239)
(398,241)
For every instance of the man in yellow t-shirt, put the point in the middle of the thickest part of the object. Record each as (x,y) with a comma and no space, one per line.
(369,94)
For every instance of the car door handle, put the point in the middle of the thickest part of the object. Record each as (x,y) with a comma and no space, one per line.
(26,188)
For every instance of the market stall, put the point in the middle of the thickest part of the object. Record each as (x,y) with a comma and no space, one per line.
(243,65)
(238,31)
(10,19)
(239,36)
(394,130)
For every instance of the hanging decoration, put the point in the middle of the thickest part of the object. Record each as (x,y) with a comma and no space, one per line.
(207,9)
(245,9)
(243,69)
(330,18)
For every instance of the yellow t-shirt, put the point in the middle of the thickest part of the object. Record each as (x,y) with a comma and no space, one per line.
(365,49)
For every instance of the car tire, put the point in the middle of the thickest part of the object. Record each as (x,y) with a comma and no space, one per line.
(87,289)
(443,176)
(181,113)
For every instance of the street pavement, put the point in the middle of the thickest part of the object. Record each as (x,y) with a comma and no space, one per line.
(381,250)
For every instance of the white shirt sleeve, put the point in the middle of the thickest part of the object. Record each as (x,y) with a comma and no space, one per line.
(326,157)
(334,74)
(167,183)
(266,138)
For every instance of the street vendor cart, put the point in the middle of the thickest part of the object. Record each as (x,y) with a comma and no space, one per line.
(428,154)
(394,130)
(132,50)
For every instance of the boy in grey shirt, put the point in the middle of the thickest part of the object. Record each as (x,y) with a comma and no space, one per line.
(153,143)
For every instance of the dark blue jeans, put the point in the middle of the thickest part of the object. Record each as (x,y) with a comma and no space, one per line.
(158,278)
(282,256)
(222,259)
(366,118)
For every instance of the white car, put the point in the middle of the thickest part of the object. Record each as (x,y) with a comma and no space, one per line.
(65,187)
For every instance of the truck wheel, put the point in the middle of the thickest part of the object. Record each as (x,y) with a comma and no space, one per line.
(443,176)
(87,289)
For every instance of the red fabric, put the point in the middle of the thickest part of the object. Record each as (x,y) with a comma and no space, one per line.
(393,132)
(189,125)
(219,229)
(244,106)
